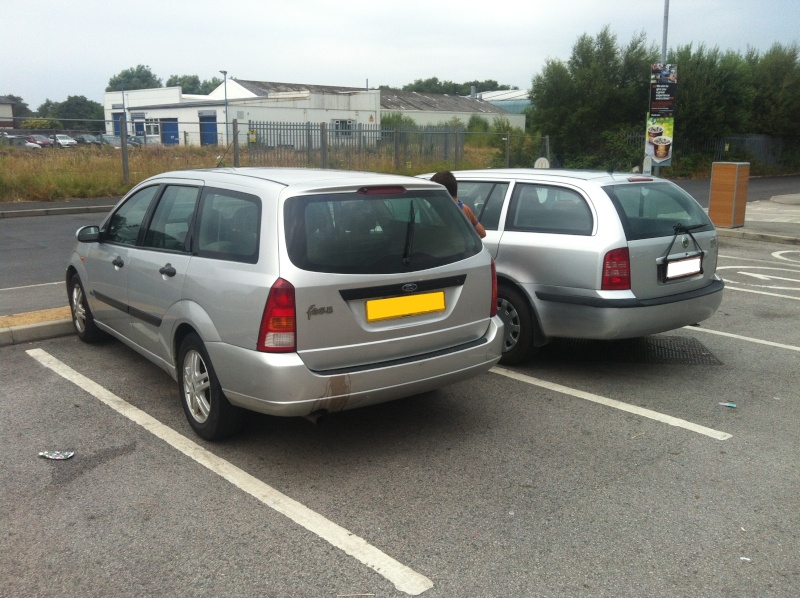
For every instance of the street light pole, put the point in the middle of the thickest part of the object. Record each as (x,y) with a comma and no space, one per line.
(225,79)
(657,168)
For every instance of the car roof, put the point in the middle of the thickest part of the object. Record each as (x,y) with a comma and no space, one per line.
(304,179)
(553,174)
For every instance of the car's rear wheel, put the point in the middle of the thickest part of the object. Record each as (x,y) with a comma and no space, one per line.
(208,410)
(82,318)
(515,312)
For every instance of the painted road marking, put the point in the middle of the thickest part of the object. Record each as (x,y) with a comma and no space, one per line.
(746,338)
(404,579)
(728,286)
(655,415)
(31,286)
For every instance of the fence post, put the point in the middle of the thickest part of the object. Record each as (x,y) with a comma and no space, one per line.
(235,143)
(396,150)
(323,143)
(123,150)
(547,147)
(508,149)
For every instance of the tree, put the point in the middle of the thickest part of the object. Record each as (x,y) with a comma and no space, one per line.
(18,108)
(191,84)
(140,77)
(433,85)
(775,78)
(47,108)
(714,93)
(601,86)
(78,112)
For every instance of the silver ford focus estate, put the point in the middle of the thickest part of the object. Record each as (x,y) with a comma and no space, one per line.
(592,255)
(290,292)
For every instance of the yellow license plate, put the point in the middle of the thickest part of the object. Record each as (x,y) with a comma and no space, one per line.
(401,307)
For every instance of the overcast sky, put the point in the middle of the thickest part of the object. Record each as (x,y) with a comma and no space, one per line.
(53,49)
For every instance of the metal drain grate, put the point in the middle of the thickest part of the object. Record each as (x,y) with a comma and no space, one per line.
(680,350)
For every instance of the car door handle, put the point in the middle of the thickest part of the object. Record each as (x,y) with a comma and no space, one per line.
(117,261)
(167,270)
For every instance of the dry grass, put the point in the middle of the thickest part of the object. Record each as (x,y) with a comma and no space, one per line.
(89,172)
(35,317)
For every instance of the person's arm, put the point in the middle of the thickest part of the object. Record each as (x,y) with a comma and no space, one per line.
(476,224)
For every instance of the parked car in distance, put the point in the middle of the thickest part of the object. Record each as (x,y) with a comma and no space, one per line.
(40,140)
(19,141)
(144,140)
(592,255)
(111,140)
(63,141)
(290,292)
(87,139)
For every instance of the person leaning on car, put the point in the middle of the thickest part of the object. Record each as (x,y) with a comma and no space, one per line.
(449,182)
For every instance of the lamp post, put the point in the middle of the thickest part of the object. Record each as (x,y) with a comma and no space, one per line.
(225,79)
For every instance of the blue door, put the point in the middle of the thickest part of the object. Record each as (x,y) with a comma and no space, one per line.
(117,116)
(208,130)
(169,131)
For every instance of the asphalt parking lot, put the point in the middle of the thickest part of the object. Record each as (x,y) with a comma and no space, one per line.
(665,466)
(592,470)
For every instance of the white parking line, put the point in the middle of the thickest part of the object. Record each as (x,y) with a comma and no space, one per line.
(744,338)
(404,579)
(31,286)
(728,285)
(666,419)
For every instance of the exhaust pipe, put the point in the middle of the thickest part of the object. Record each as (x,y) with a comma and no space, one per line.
(317,417)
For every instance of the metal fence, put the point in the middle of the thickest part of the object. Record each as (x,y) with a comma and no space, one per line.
(355,146)
(359,146)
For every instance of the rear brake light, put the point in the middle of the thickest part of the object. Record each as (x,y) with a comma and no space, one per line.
(278,333)
(493,310)
(382,190)
(617,270)
(639,179)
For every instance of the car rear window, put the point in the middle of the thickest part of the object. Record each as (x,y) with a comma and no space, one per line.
(381,233)
(656,209)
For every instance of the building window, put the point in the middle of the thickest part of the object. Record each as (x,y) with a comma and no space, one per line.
(343,128)
(152,127)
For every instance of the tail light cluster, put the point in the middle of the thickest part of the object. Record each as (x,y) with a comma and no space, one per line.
(617,270)
(278,333)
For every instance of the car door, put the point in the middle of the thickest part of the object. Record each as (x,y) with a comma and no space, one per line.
(158,267)
(108,261)
(486,198)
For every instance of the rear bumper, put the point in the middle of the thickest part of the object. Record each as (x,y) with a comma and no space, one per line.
(598,318)
(281,384)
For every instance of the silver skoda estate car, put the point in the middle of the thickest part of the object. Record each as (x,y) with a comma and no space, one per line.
(592,255)
(287,291)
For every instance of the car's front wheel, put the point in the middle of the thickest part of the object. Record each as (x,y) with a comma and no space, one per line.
(515,312)
(208,410)
(82,317)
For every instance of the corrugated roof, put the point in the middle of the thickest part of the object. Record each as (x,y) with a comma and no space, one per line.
(264,88)
(390,100)
(434,102)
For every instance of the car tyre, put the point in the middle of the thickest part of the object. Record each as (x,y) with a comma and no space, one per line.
(208,410)
(515,312)
(82,317)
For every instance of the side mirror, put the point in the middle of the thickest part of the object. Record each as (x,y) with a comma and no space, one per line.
(88,234)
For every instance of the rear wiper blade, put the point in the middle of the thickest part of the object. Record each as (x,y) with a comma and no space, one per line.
(409,235)
(682,228)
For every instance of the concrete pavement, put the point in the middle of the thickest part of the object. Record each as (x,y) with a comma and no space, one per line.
(776,220)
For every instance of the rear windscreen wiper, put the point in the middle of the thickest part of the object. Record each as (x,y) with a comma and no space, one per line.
(682,228)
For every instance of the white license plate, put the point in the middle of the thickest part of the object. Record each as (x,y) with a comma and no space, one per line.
(683,268)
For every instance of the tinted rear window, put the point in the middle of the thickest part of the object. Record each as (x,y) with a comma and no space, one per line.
(371,234)
(649,210)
